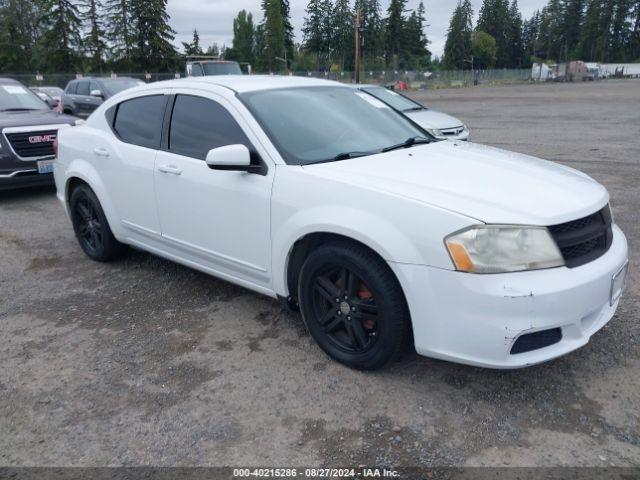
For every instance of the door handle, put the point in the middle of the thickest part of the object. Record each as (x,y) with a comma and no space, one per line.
(171,169)
(101,152)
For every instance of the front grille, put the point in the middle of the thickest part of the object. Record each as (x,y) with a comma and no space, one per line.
(31,145)
(537,340)
(452,131)
(586,239)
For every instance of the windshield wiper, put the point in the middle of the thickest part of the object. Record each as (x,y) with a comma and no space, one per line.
(342,156)
(413,109)
(409,142)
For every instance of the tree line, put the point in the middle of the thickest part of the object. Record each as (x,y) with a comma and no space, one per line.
(564,30)
(86,36)
(394,40)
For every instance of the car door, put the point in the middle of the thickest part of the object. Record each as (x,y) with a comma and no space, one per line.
(221,219)
(82,100)
(126,162)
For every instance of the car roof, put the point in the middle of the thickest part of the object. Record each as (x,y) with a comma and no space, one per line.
(104,78)
(248,83)
(9,81)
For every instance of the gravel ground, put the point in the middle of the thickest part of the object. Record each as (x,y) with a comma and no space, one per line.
(143,362)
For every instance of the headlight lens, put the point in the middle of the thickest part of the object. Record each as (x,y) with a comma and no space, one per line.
(435,132)
(503,248)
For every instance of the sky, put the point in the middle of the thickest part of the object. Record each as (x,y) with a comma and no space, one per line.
(214,18)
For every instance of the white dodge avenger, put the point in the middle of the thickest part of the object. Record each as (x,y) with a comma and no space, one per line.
(324,196)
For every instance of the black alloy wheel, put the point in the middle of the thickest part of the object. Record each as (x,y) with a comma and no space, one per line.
(353,305)
(346,309)
(91,226)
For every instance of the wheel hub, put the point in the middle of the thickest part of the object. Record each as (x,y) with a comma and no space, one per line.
(345,308)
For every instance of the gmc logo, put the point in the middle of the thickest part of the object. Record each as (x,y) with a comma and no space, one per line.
(42,138)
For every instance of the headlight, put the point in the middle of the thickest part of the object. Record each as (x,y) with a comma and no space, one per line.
(434,132)
(503,248)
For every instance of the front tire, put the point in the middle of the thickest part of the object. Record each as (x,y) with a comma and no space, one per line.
(91,227)
(353,305)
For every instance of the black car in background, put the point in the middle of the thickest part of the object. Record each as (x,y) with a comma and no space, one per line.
(28,129)
(84,95)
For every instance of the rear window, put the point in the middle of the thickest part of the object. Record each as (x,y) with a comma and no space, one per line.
(139,121)
(72,88)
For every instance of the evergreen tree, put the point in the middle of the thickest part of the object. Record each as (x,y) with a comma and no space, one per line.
(243,38)
(572,26)
(120,32)
(343,22)
(288,30)
(395,40)
(94,43)
(495,20)
(620,30)
(458,47)
(590,31)
(484,49)
(58,48)
(417,51)
(193,48)
(530,33)
(372,32)
(634,37)
(153,47)
(17,35)
(515,46)
(316,34)
(271,36)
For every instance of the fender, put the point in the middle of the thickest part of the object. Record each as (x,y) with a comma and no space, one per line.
(369,229)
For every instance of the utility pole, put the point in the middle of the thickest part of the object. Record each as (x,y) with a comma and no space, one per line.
(358,20)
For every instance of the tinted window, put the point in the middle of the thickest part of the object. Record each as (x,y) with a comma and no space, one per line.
(139,121)
(199,124)
(196,70)
(83,88)
(221,68)
(72,88)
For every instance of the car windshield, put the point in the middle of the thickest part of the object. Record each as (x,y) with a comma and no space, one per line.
(315,124)
(120,85)
(395,100)
(18,98)
(221,68)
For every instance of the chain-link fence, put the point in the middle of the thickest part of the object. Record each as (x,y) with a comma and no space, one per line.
(412,79)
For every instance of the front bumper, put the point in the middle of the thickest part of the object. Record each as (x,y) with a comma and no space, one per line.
(476,319)
(28,178)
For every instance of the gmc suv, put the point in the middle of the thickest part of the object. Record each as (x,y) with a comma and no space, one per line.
(28,130)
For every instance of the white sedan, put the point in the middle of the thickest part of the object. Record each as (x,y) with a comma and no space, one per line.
(438,124)
(325,197)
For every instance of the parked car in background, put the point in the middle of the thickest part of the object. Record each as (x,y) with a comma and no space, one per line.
(29,128)
(52,92)
(328,198)
(45,98)
(202,67)
(83,96)
(438,124)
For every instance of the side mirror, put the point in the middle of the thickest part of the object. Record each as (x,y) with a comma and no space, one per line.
(96,93)
(235,158)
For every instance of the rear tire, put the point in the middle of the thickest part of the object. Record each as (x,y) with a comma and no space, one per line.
(353,305)
(92,228)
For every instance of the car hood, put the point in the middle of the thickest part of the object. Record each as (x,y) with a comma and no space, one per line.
(34,118)
(433,119)
(485,183)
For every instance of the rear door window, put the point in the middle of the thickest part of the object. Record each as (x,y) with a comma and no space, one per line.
(83,88)
(199,125)
(139,121)
(72,88)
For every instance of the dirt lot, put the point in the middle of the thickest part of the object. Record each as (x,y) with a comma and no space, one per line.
(147,362)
